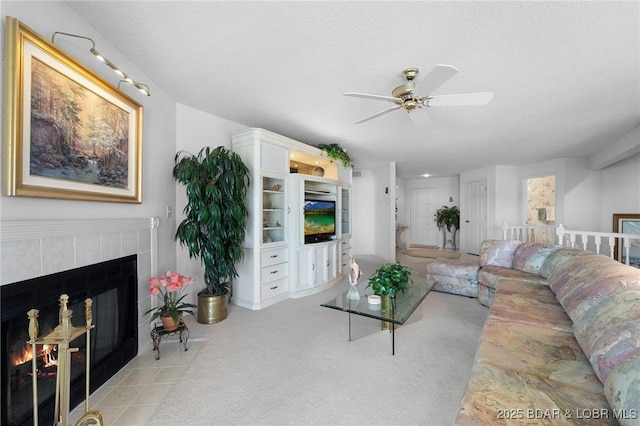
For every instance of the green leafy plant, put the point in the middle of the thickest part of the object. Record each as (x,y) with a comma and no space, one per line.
(213,230)
(335,153)
(389,279)
(447,217)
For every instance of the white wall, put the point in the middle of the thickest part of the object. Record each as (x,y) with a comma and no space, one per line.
(195,130)
(586,199)
(582,196)
(373,212)
(620,191)
(362,215)
(158,144)
(381,205)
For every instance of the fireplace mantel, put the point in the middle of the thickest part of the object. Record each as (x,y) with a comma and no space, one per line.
(32,249)
(29,249)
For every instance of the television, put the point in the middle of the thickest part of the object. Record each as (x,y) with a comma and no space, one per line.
(319,221)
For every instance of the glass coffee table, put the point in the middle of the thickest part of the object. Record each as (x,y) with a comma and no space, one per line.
(402,306)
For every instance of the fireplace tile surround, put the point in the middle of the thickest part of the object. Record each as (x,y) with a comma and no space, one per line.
(30,249)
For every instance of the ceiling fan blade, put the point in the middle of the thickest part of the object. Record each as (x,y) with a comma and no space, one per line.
(480,98)
(436,77)
(376,97)
(377,114)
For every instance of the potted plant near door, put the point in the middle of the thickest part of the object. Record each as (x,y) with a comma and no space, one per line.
(448,219)
(213,230)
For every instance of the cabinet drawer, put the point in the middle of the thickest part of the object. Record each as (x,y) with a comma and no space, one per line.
(273,288)
(274,272)
(274,256)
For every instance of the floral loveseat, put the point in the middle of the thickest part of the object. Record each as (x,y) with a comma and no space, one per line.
(561,344)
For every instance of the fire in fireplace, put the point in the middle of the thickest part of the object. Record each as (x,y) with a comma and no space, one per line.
(113,287)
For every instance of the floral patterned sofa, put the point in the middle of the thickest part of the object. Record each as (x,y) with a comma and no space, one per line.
(561,344)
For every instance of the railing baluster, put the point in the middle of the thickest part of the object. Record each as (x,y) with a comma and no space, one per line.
(611,247)
(627,246)
(571,238)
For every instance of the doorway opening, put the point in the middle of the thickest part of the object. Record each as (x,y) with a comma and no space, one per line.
(541,205)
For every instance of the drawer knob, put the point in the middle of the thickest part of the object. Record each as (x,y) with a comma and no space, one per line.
(273,288)
(274,272)
(273,256)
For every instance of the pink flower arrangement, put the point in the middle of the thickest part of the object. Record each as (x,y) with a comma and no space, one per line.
(170,288)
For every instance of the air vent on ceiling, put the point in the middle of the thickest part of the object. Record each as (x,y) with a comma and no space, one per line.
(356,173)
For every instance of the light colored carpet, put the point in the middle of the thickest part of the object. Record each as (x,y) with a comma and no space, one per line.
(292,363)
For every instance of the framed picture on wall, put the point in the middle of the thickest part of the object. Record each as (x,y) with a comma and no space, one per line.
(627,223)
(68,133)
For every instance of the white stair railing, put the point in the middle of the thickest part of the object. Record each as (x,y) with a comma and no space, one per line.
(612,244)
(530,233)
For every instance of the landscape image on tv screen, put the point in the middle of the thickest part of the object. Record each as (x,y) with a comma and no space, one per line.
(319,217)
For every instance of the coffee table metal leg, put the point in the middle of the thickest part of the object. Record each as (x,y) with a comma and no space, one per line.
(349,326)
(393,328)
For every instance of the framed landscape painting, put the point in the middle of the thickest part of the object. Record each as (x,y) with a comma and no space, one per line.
(627,224)
(68,133)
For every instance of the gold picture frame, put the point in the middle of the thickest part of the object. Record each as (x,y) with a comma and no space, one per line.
(627,223)
(67,132)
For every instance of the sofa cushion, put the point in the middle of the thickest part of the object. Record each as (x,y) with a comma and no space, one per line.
(498,252)
(609,332)
(552,355)
(594,283)
(467,270)
(460,286)
(622,390)
(529,257)
(485,295)
(500,396)
(491,275)
(530,304)
(564,263)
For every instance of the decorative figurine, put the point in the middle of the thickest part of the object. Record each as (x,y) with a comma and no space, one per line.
(354,276)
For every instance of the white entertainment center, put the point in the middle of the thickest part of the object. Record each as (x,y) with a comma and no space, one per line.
(287,256)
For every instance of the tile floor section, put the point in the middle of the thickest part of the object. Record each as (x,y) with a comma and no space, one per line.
(132,396)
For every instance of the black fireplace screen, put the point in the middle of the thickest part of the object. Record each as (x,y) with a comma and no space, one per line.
(113,287)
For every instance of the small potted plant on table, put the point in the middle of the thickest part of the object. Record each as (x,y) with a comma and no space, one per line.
(386,282)
(170,288)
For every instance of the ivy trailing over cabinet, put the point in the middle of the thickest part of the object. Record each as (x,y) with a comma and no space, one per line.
(279,263)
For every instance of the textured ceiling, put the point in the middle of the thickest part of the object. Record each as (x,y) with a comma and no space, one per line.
(565,75)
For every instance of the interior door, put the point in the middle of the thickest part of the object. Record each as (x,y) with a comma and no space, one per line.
(422,227)
(475,223)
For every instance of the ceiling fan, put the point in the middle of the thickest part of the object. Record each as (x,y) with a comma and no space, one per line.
(403,96)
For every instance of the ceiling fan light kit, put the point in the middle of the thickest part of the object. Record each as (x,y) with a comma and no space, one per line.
(403,96)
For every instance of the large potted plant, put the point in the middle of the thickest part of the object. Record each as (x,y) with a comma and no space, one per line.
(213,230)
(448,219)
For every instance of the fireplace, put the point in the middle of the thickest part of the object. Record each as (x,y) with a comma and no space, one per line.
(113,287)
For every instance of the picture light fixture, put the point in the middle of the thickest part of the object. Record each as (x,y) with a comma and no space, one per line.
(143,88)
